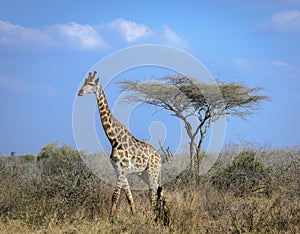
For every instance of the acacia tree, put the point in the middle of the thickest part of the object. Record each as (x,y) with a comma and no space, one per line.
(188,98)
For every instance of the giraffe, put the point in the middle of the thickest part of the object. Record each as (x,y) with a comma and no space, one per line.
(128,154)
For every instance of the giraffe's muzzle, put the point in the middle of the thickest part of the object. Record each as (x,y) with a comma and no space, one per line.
(80,93)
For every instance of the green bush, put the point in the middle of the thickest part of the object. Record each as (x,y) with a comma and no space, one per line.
(28,157)
(243,176)
(57,184)
(69,182)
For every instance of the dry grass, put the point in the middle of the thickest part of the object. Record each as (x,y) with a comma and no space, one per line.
(75,201)
(191,212)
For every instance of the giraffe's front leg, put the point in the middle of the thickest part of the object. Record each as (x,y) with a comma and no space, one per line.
(115,198)
(122,182)
(129,196)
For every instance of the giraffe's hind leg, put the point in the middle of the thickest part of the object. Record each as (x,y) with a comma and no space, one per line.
(153,186)
(152,180)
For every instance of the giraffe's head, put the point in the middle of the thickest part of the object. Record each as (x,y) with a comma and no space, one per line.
(89,85)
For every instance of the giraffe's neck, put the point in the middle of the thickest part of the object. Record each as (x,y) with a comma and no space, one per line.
(110,125)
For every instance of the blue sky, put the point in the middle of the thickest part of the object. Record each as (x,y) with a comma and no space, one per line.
(46,48)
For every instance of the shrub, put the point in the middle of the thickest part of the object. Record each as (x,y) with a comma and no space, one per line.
(68,182)
(28,157)
(57,187)
(69,199)
(243,176)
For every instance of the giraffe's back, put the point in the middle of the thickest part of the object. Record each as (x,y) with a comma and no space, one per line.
(135,156)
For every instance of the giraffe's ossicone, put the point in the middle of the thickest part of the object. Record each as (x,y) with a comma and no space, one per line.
(128,155)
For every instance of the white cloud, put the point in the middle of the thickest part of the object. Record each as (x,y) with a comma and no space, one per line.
(84,35)
(119,32)
(133,32)
(16,35)
(130,30)
(249,64)
(174,38)
(72,34)
(280,64)
(284,21)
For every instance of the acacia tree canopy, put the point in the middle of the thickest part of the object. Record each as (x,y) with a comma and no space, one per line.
(186,97)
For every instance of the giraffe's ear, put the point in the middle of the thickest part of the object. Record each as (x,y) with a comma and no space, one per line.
(97,80)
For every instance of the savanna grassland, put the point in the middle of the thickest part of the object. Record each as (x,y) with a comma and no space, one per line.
(247,191)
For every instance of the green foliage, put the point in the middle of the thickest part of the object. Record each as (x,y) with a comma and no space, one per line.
(245,161)
(54,151)
(59,184)
(245,175)
(68,179)
(54,160)
(28,157)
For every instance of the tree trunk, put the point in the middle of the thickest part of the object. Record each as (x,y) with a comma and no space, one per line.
(198,155)
(193,163)
(192,155)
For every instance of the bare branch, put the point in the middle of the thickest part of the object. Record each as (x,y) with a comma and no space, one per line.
(166,152)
